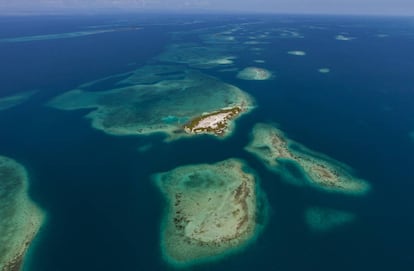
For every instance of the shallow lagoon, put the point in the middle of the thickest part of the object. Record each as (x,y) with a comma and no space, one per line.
(21,218)
(165,106)
(212,211)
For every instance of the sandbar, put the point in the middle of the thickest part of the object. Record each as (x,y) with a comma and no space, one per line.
(274,149)
(20,217)
(213,210)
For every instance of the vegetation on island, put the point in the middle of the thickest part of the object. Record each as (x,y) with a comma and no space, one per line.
(217,128)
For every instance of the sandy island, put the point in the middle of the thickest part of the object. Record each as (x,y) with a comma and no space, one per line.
(213,210)
(20,217)
(275,150)
(216,123)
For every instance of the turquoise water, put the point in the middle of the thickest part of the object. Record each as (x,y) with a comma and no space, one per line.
(104,212)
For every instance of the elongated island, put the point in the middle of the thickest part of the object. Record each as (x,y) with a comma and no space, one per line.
(276,150)
(216,123)
(20,218)
(213,210)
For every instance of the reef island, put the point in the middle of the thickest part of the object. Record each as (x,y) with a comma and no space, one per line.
(20,218)
(213,210)
(213,123)
(180,104)
(277,151)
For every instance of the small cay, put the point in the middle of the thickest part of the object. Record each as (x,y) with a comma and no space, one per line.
(213,123)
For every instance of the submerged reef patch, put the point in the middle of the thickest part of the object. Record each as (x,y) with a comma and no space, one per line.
(67,35)
(213,210)
(344,38)
(324,70)
(15,100)
(197,56)
(297,53)
(151,74)
(325,219)
(254,73)
(20,218)
(274,149)
(287,33)
(167,105)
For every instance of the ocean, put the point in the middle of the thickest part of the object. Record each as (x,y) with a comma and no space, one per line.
(104,211)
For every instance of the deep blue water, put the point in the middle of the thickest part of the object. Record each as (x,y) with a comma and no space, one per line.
(103,211)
